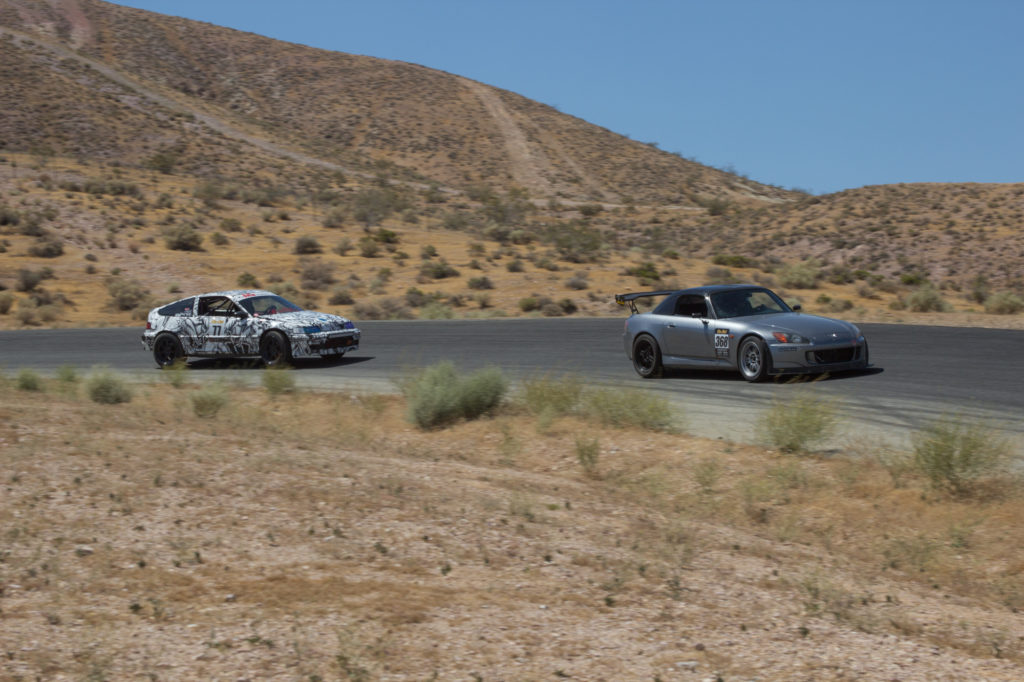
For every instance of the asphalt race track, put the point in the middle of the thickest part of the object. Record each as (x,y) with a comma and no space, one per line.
(919,373)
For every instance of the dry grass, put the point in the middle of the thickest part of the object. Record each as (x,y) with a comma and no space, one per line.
(321,535)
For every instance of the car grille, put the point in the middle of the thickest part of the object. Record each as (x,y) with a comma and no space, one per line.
(337,342)
(831,356)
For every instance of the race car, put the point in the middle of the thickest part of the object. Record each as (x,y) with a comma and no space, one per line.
(737,326)
(245,324)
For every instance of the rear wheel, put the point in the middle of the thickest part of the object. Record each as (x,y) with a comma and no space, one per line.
(646,357)
(753,359)
(275,349)
(167,350)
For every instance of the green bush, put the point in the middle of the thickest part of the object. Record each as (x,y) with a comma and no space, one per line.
(552,397)
(588,450)
(278,380)
(6,302)
(183,238)
(247,280)
(927,299)
(28,380)
(627,408)
(208,401)
(127,294)
(1004,303)
(793,425)
(66,374)
(307,245)
(438,396)
(800,275)
(106,388)
(954,455)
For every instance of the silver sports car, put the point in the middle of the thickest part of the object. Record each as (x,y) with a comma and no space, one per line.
(246,323)
(737,326)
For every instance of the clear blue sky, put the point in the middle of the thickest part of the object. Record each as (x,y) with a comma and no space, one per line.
(821,95)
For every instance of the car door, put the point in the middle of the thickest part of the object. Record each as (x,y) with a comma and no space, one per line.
(688,333)
(211,328)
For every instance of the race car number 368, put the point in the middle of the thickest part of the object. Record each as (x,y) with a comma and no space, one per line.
(721,338)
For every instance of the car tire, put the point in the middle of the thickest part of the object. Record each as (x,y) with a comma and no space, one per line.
(753,359)
(275,349)
(167,350)
(647,357)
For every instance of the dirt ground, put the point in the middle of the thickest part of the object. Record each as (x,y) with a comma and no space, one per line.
(319,537)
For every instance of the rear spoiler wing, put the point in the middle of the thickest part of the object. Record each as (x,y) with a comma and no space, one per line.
(630,299)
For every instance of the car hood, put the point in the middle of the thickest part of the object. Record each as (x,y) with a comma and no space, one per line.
(303,319)
(816,329)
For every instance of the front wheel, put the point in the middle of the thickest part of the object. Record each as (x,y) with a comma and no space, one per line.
(275,349)
(753,359)
(167,350)
(646,357)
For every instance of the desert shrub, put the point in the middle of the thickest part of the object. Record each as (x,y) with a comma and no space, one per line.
(588,450)
(6,302)
(341,296)
(515,265)
(438,396)
(719,275)
(278,380)
(218,239)
(794,425)
(627,408)
(383,309)
(67,375)
(334,218)
(438,270)
(231,225)
(208,401)
(307,245)
(316,274)
(417,298)
(480,283)
(46,247)
(9,216)
(955,455)
(183,238)
(645,272)
(27,280)
(174,374)
(577,282)
(247,280)
(840,305)
(435,310)
(371,206)
(28,380)
(107,388)
(343,246)
(531,303)
(914,277)
(800,275)
(1004,303)
(369,247)
(590,210)
(733,260)
(839,274)
(926,299)
(127,294)
(550,396)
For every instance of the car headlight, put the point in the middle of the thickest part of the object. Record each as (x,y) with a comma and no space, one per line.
(311,330)
(786,337)
(349,325)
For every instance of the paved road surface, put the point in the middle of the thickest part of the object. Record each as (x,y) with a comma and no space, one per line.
(919,373)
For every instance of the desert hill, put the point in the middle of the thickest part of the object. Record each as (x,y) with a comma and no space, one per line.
(155,155)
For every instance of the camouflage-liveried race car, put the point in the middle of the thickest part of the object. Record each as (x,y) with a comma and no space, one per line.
(245,324)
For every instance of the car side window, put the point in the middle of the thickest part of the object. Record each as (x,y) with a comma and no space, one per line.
(691,306)
(214,305)
(182,308)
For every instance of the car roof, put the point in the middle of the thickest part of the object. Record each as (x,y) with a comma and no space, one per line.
(235,294)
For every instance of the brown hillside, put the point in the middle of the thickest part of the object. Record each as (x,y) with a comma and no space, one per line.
(343,108)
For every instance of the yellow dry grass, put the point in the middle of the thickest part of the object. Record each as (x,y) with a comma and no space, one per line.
(320,536)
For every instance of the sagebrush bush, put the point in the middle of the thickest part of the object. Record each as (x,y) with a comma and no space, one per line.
(107,388)
(1004,303)
(307,245)
(588,450)
(438,396)
(28,380)
(208,401)
(183,238)
(6,302)
(552,397)
(279,380)
(927,299)
(954,455)
(794,425)
(800,275)
(127,294)
(627,408)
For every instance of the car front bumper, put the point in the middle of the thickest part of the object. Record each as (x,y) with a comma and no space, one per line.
(793,358)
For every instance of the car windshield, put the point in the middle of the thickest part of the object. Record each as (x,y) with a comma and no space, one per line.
(744,302)
(268,305)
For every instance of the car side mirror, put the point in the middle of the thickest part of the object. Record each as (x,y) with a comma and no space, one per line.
(798,307)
